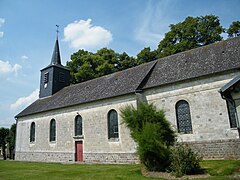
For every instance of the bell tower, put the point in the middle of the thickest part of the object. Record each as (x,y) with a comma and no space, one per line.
(55,76)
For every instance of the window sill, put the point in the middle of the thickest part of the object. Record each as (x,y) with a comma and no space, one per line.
(113,140)
(78,137)
(183,133)
(233,129)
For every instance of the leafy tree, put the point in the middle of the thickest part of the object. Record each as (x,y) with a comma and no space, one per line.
(234,29)
(85,65)
(153,134)
(125,61)
(81,66)
(189,34)
(11,140)
(146,55)
(4,132)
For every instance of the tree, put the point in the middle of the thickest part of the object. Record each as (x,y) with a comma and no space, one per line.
(125,61)
(4,132)
(11,140)
(153,134)
(81,66)
(85,65)
(234,29)
(146,55)
(189,34)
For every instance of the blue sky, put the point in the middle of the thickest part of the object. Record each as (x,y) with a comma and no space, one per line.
(28,33)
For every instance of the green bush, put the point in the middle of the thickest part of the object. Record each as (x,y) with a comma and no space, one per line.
(153,134)
(184,161)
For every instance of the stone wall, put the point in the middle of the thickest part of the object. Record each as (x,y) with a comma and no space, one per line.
(111,158)
(209,115)
(95,134)
(217,149)
(45,156)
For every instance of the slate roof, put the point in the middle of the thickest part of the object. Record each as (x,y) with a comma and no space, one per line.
(214,58)
(116,84)
(210,59)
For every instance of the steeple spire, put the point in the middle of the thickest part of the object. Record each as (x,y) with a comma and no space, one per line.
(56,60)
(55,76)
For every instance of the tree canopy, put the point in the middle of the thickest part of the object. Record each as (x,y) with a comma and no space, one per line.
(234,29)
(189,34)
(86,65)
(7,136)
(4,132)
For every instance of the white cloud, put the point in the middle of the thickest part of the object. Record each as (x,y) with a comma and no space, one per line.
(25,101)
(2,21)
(24,57)
(1,34)
(6,68)
(83,35)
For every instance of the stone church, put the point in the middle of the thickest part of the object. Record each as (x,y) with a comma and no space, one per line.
(199,90)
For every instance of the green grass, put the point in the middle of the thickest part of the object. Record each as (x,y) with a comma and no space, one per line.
(221,168)
(31,170)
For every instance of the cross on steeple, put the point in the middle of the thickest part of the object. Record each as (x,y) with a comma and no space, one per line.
(57,30)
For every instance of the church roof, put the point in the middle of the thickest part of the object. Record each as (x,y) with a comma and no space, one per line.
(112,85)
(211,59)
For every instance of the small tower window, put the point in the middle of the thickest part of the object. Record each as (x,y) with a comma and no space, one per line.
(61,77)
(46,77)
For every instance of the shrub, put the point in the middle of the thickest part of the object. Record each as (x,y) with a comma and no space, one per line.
(153,134)
(184,161)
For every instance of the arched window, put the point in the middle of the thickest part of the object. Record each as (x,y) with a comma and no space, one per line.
(53,130)
(78,125)
(32,132)
(112,124)
(184,123)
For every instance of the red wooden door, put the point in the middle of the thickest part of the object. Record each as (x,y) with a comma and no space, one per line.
(79,150)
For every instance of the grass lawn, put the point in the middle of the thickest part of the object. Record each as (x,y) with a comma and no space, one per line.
(31,170)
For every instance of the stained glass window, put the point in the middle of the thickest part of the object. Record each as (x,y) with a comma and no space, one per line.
(112,124)
(53,130)
(32,132)
(184,123)
(78,125)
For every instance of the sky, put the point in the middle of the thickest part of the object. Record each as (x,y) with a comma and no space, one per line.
(28,34)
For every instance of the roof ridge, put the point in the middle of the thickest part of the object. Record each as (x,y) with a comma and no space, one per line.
(201,47)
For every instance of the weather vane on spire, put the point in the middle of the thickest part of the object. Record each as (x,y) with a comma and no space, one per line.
(57,30)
